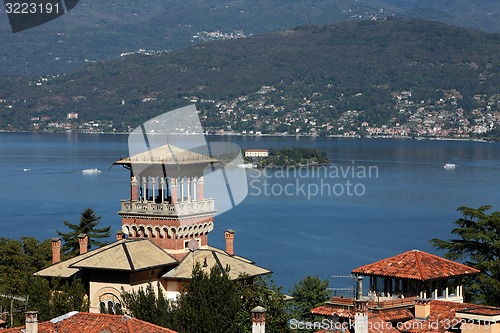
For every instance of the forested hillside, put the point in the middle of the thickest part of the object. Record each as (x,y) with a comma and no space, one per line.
(374,72)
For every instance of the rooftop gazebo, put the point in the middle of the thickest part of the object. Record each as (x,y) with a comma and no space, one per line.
(417,273)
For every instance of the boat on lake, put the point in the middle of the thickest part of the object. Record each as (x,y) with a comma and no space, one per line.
(449,166)
(91,171)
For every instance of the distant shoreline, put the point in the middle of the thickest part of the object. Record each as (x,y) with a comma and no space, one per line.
(284,136)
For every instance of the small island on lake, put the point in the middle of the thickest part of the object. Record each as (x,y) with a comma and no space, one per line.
(285,157)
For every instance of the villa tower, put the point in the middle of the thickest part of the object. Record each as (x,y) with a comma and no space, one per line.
(167,203)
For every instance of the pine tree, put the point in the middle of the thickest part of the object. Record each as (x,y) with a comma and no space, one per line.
(88,224)
(211,304)
(479,246)
(308,294)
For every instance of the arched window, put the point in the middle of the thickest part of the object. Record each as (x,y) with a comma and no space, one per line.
(109,303)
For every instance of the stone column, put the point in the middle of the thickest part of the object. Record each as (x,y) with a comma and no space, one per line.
(173,190)
(182,188)
(162,182)
(189,184)
(200,188)
(144,189)
(153,188)
(134,189)
(195,188)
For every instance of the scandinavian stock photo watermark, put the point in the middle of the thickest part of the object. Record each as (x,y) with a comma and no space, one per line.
(444,324)
(312,181)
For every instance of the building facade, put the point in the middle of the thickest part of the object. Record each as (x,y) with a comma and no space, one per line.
(166,222)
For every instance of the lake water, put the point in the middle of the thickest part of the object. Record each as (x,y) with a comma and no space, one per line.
(301,222)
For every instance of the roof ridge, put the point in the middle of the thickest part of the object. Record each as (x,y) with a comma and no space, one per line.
(129,258)
(419,263)
(129,325)
(217,260)
(446,259)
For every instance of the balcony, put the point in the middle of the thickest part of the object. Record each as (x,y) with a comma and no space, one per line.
(185,208)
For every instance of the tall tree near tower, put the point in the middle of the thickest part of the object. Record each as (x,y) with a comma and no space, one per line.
(88,225)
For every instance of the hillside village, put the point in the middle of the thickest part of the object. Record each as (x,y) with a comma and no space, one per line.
(259,114)
(441,118)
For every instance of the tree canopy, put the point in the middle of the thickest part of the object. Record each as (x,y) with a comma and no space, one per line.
(478,245)
(88,224)
(307,294)
(19,259)
(211,303)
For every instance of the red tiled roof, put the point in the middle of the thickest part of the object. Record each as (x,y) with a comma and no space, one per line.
(375,325)
(82,322)
(442,318)
(484,311)
(330,310)
(394,314)
(345,312)
(379,325)
(417,265)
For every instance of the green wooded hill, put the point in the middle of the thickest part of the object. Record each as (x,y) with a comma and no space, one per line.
(345,66)
(98,30)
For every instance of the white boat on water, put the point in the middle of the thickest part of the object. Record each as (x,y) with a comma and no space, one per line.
(245,166)
(90,171)
(449,166)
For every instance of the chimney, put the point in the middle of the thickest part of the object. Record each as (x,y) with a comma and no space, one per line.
(56,250)
(119,235)
(359,288)
(31,322)
(229,234)
(83,240)
(259,320)
(422,308)
(360,316)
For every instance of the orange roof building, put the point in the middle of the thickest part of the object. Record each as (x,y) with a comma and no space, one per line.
(83,322)
(417,273)
(410,293)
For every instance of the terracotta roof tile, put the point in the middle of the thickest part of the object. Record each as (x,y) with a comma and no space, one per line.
(331,310)
(485,311)
(375,325)
(417,265)
(82,322)
(379,325)
(394,314)
(442,318)
(399,314)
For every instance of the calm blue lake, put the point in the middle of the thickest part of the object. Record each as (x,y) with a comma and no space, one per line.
(377,198)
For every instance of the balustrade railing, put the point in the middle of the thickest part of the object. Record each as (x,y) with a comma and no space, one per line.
(180,208)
